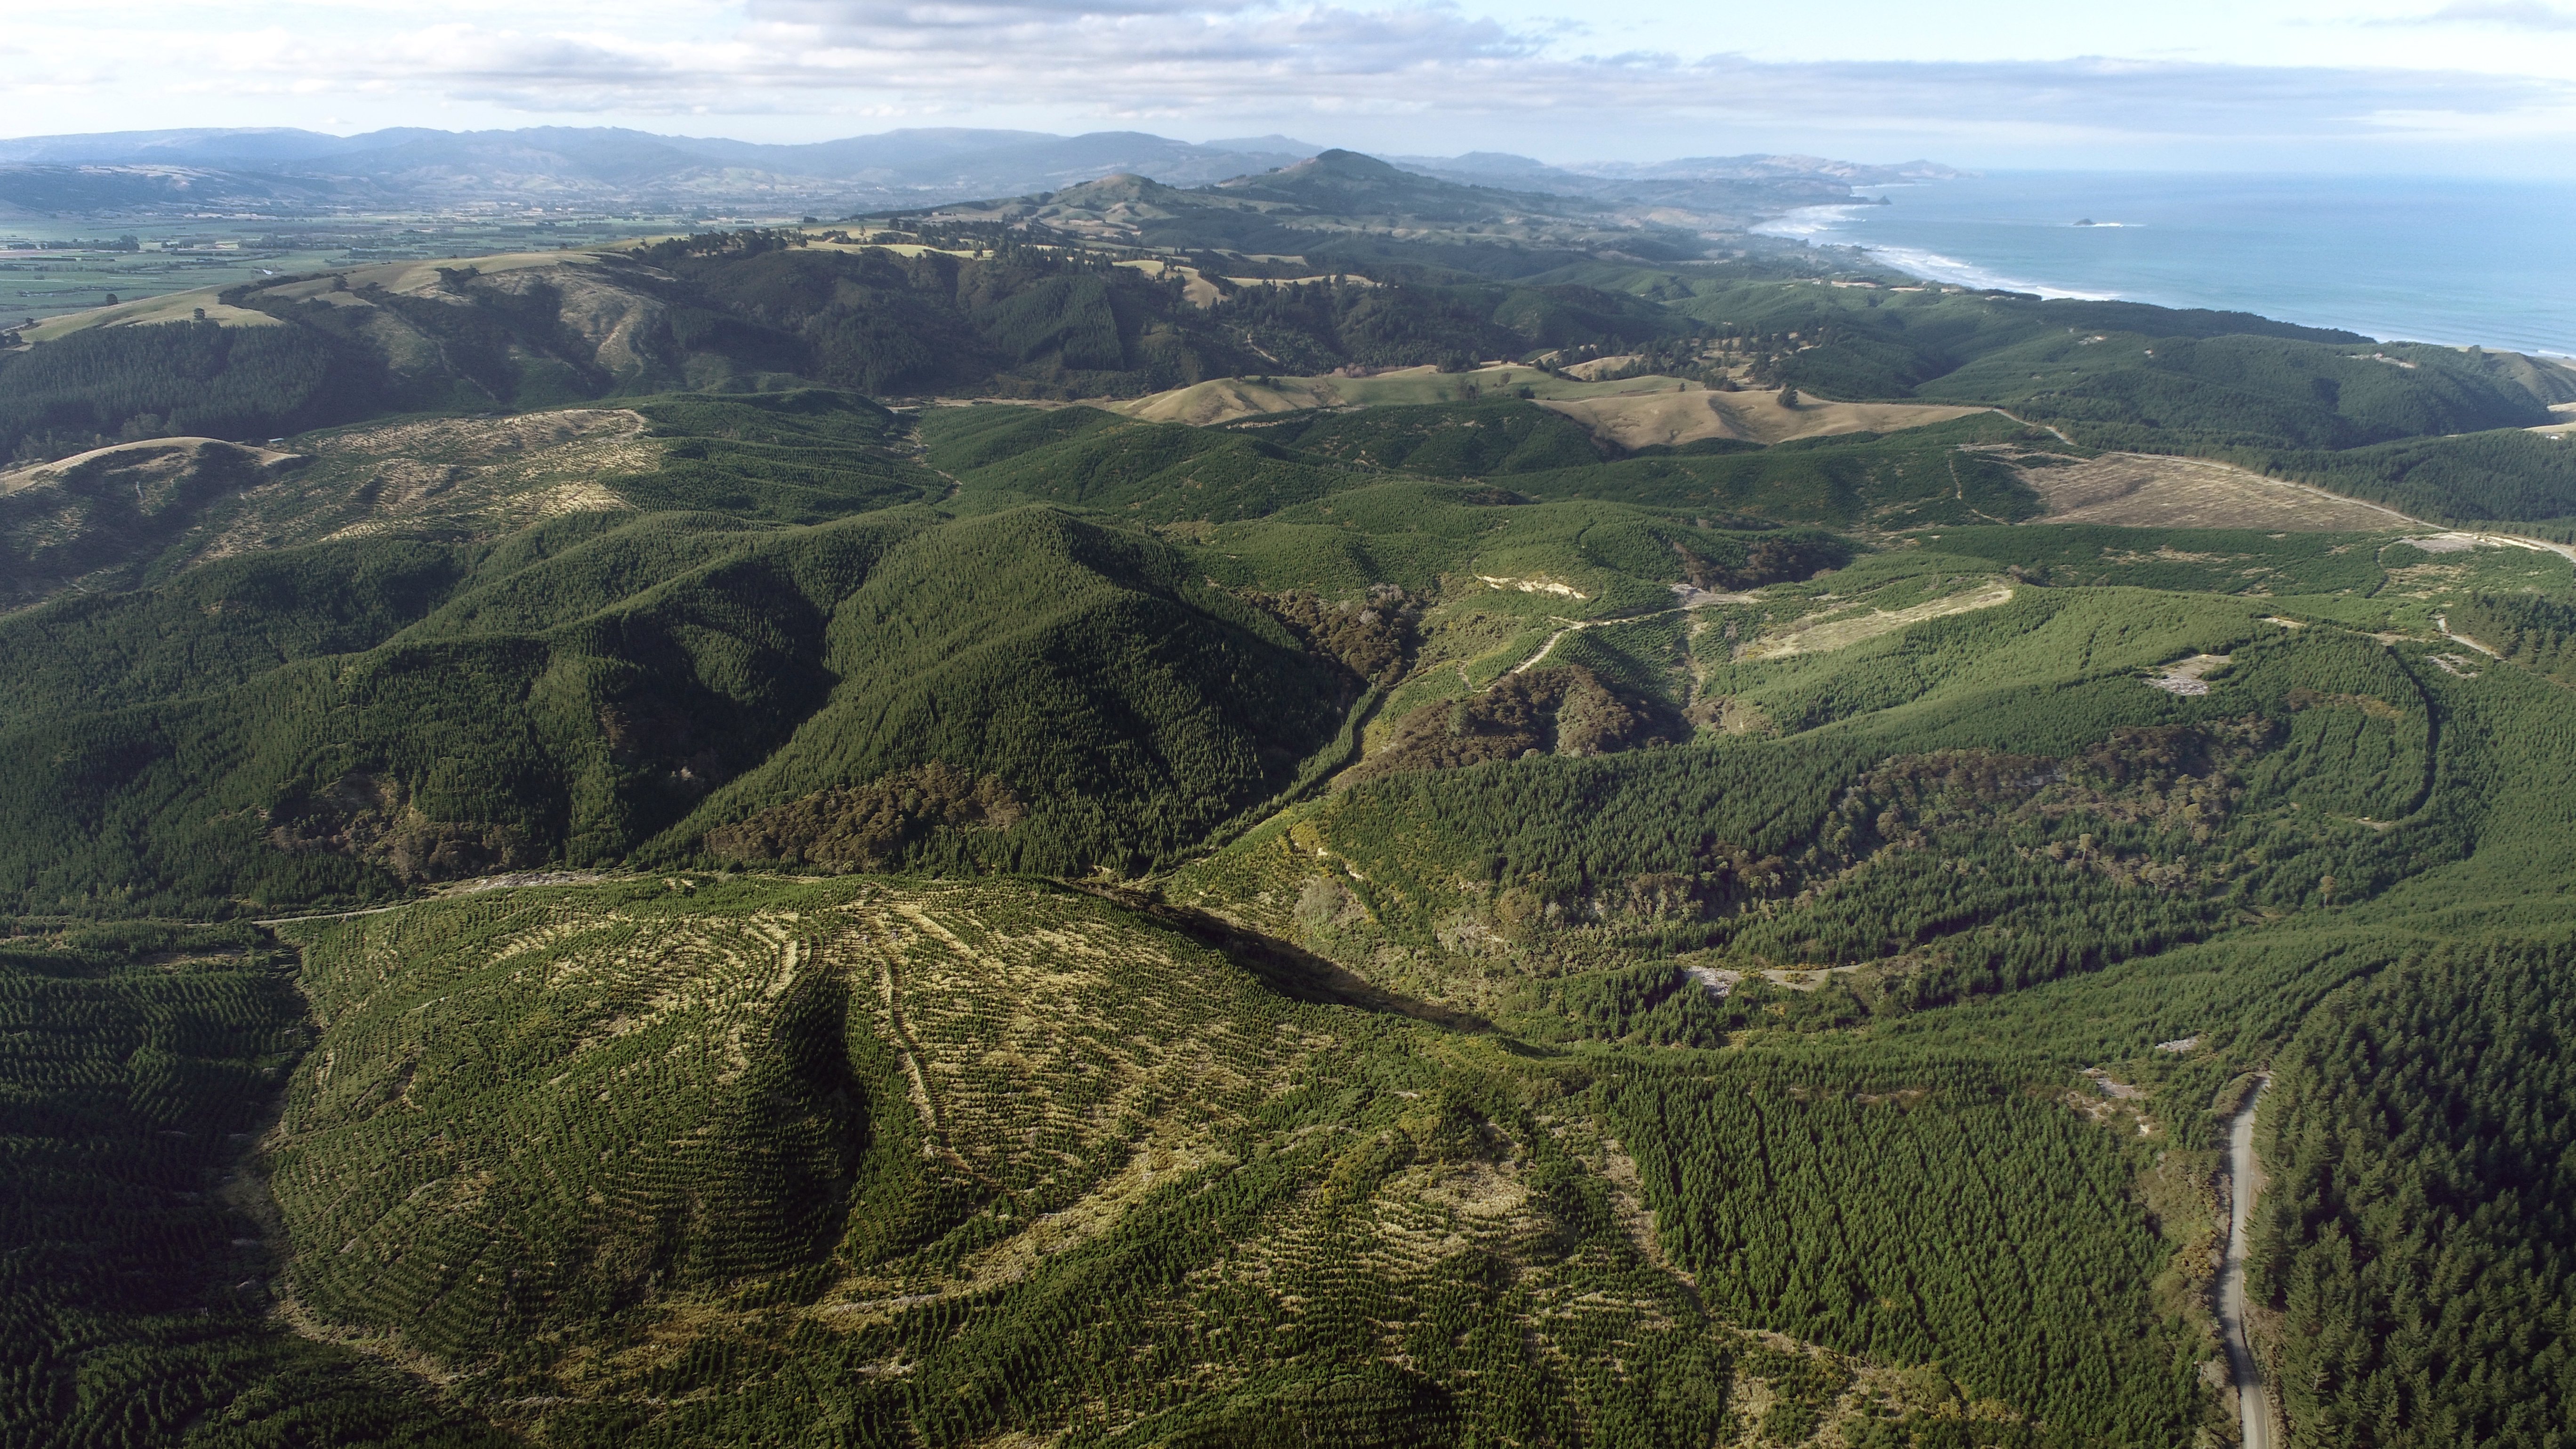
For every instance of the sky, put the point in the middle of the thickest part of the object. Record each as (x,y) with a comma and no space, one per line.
(2395,86)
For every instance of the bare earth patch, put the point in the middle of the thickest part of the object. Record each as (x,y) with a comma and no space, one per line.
(153,459)
(1230,399)
(2187,676)
(1673,417)
(1593,370)
(2463,542)
(1634,412)
(1844,630)
(2138,490)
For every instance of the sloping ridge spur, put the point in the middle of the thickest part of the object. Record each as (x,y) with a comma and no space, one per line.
(1837,632)
(172,453)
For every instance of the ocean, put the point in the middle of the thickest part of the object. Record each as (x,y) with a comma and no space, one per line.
(2399,259)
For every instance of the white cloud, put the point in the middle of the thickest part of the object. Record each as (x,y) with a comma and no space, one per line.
(1153,58)
(859,17)
(1378,73)
(2511,14)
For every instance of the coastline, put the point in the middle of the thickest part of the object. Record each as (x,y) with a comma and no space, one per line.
(1816,223)
(2442,263)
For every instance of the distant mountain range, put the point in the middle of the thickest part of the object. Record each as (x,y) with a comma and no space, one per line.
(280,170)
(1353,207)
(1500,168)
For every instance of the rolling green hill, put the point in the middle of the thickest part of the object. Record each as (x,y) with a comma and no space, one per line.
(2331,408)
(1289,1188)
(1340,204)
(143,513)
(1018,306)
(1948,473)
(1147,472)
(1444,441)
(2242,391)
(535,715)
(614,890)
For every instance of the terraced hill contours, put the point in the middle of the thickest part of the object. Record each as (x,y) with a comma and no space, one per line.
(965,1160)
(1570,940)
(138,1064)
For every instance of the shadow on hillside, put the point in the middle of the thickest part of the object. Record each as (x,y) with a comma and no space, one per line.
(1290,970)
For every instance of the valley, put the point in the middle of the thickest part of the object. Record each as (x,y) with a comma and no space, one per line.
(1046,822)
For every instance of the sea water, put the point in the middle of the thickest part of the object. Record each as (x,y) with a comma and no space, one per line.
(2415,259)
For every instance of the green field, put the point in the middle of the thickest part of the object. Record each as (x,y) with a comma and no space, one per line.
(40,281)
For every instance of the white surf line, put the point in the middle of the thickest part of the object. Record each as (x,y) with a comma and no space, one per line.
(2254,1403)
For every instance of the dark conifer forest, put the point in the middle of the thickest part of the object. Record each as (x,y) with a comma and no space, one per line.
(952,830)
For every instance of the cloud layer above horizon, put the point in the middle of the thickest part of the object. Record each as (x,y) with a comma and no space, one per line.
(2408,86)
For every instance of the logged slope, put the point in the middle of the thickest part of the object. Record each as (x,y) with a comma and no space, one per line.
(96,517)
(939,1164)
(1571,951)
(136,1065)
(142,513)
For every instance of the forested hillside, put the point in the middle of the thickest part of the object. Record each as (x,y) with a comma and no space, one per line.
(2384,422)
(686,847)
(1023,301)
(990,314)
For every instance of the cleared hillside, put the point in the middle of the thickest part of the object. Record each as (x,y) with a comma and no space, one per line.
(979,1159)
(600,885)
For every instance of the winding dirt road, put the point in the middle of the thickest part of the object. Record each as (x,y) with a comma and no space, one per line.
(2245,1183)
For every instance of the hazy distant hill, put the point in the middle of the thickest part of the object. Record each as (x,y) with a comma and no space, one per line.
(1730,881)
(1698,183)
(612,167)
(56,189)
(1335,198)
(595,166)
